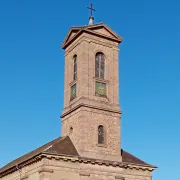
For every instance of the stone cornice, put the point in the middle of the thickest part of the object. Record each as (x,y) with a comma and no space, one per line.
(89,106)
(84,38)
(100,162)
(64,46)
(84,174)
(76,160)
(119,177)
(21,165)
(24,177)
(47,170)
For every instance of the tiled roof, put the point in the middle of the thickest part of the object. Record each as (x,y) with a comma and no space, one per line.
(64,146)
(61,145)
(129,158)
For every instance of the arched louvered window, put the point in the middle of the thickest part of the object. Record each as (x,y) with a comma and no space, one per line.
(100,65)
(100,134)
(75,67)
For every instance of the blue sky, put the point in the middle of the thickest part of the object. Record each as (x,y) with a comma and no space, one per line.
(32,77)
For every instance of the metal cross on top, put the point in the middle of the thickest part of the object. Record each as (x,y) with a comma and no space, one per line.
(91,9)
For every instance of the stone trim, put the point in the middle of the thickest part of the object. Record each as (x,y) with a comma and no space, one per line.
(84,174)
(64,46)
(73,82)
(119,177)
(20,166)
(100,162)
(101,80)
(78,28)
(79,160)
(86,105)
(84,38)
(24,177)
(46,170)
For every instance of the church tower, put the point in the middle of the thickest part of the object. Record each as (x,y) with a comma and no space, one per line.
(91,115)
(90,145)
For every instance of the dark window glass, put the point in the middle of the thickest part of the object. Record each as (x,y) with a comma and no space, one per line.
(100,65)
(100,134)
(75,68)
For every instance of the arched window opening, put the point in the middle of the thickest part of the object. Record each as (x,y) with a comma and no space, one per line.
(100,134)
(75,67)
(100,66)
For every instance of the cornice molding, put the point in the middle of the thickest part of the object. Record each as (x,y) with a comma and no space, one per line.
(119,177)
(76,160)
(100,162)
(84,174)
(24,177)
(47,170)
(64,46)
(89,106)
(20,166)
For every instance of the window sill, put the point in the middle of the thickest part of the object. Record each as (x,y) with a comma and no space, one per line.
(101,80)
(73,82)
(72,98)
(102,145)
(103,96)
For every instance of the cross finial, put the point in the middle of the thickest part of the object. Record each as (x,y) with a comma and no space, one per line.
(91,18)
(91,8)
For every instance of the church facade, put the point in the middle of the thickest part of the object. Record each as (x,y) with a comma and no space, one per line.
(90,146)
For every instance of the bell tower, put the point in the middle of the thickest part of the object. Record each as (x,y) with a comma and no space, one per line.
(91,115)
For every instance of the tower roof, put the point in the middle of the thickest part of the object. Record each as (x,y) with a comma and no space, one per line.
(100,30)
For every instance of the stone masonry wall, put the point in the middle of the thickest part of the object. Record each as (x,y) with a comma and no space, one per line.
(84,122)
(51,169)
(86,47)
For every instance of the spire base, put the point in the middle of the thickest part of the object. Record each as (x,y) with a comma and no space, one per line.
(91,20)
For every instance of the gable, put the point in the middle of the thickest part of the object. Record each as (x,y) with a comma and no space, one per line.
(103,31)
(72,34)
(97,29)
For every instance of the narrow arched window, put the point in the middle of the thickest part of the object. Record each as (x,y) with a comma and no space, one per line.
(100,134)
(75,67)
(100,65)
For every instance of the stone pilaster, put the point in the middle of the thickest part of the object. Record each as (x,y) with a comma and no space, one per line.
(45,173)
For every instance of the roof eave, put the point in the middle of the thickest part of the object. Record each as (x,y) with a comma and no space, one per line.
(14,168)
(65,45)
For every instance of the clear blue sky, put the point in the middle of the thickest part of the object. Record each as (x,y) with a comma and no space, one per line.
(32,77)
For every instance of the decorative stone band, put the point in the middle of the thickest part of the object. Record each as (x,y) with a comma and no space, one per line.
(84,174)
(78,160)
(83,30)
(20,166)
(119,177)
(43,169)
(99,162)
(86,105)
(24,177)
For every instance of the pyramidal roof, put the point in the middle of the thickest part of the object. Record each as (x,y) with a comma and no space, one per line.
(63,147)
(100,30)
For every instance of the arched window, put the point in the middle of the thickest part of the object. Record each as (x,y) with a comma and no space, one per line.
(100,134)
(75,67)
(100,65)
